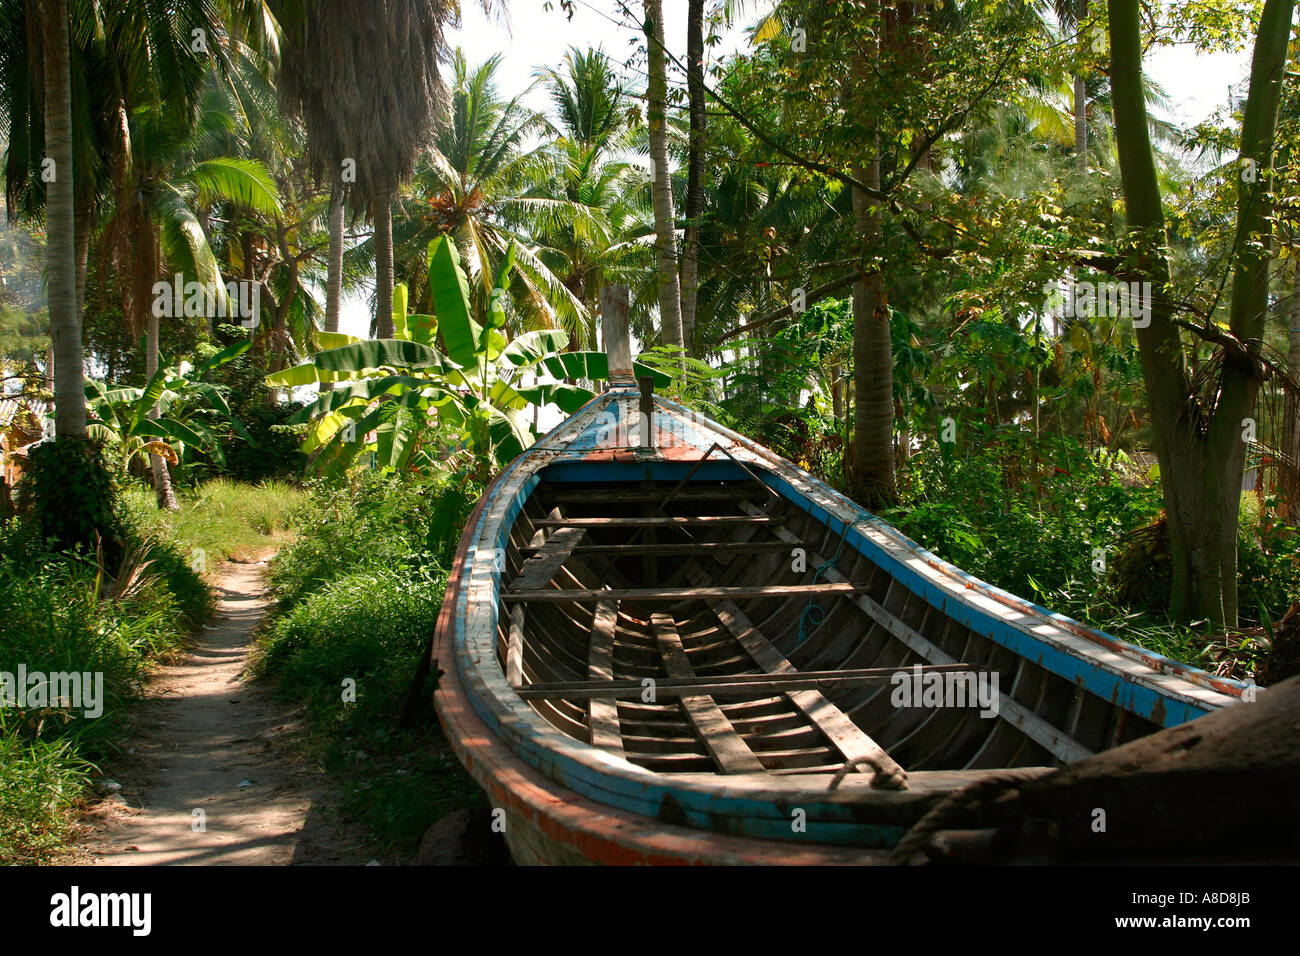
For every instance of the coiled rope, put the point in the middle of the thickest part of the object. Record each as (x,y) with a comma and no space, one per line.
(954,805)
(889,776)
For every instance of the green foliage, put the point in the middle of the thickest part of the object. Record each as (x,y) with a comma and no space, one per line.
(1035,535)
(124,415)
(71,494)
(358,594)
(403,398)
(257,446)
(371,521)
(40,782)
(220,519)
(65,612)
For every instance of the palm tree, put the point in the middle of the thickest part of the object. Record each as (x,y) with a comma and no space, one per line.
(480,184)
(670,305)
(298,85)
(378,118)
(65,323)
(168,185)
(695,169)
(589,98)
(610,245)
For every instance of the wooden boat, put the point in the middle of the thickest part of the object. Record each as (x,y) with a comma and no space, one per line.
(667,644)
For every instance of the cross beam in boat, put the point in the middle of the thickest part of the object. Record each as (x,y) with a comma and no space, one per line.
(727,747)
(537,570)
(702,547)
(651,495)
(735,685)
(683,594)
(653,521)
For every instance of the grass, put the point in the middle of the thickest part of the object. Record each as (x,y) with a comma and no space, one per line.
(357,595)
(64,612)
(221,519)
(39,785)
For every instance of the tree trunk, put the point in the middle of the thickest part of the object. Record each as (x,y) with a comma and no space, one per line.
(83,256)
(1201,462)
(383,217)
(334,282)
(282,345)
(61,274)
(1081,96)
(661,187)
(872,479)
(837,392)
(1290,480)
(695,170)
(145,272)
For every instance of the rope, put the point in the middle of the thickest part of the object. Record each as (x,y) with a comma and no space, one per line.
(954,806)
(888,777)
(815,613)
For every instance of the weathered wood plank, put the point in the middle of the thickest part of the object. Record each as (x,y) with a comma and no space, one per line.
(728,749)
(703,547)
(600,495)
(736,685)
(537,571)
(847,737)
(653,521)
(602,712)
(681,594)
(515,647)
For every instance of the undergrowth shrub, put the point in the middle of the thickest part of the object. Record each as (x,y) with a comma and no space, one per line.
(358,594)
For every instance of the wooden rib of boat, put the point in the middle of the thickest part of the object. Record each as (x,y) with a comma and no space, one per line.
(670,645)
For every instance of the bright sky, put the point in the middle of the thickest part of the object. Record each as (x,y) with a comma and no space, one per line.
(1197,83)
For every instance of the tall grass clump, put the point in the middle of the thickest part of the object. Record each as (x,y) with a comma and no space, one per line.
(221,519)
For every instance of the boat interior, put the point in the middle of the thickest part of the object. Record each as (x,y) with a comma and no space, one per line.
(714,627)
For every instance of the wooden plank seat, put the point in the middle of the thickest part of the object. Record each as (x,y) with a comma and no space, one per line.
(651,495)
(736,685)
(653,521)
(680,594)
(537,570)
(701,547)
(602,711)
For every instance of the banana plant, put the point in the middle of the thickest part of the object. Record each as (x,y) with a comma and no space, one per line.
(120,415)
(451,379)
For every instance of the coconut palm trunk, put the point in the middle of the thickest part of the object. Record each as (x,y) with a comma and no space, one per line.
(1293,410)
(695,170)
(146,269)
(334,280)
(872,480)
(1080,99)
(65,321)
(383,218)
(661,186)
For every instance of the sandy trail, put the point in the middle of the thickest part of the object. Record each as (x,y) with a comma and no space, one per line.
(212,781)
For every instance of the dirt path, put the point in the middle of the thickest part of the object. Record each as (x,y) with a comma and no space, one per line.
(211,779)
